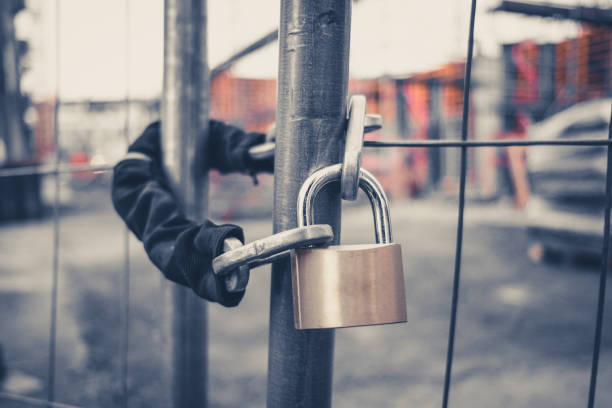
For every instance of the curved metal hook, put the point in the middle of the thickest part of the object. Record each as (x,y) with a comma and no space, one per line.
(264,250)
(237,280)
(367,182)
(353,147)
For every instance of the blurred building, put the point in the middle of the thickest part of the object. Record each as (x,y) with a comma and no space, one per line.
(20,195)
(529,80)
(528,83)
(546,78)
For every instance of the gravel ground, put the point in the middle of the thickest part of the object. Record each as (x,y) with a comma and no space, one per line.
(524,333)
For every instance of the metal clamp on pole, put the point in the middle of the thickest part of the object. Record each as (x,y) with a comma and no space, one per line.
(371,123)
(352,147)
(358,124)
(236,262)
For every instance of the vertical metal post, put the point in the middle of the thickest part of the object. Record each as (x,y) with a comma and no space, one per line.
(11,121)
(124,291)
(603,274)
(56,214)
(184,118)
(311,116)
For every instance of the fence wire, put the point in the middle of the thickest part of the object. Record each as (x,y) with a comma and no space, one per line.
(124,283)
(34,402)
(459,242)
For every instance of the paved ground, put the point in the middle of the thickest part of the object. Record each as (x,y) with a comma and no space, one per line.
(524,334)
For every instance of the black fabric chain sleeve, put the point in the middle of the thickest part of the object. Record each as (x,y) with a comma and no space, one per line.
(228,149)
(180,248)
(149,143)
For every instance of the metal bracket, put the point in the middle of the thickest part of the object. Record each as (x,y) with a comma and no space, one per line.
(269,249)
(352,149)
(372,123)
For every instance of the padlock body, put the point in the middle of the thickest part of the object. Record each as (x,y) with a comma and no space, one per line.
(348,285)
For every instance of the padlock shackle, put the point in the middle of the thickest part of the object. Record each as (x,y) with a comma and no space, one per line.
(367,182)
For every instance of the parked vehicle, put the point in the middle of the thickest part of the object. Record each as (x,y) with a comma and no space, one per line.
(565,211)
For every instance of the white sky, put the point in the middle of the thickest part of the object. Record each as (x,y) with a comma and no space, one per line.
(389,37)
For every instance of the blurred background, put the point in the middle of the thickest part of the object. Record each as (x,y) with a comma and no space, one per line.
(534,216)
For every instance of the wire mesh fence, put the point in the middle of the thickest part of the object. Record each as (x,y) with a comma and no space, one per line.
(415,110)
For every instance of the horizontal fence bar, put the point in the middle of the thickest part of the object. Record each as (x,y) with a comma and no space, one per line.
(51,169)
(33,401)
(486,143)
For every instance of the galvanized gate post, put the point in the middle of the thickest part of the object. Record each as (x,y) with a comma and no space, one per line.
(311,113)
(184,117)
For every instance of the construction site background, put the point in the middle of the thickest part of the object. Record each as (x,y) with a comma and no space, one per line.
(529,82)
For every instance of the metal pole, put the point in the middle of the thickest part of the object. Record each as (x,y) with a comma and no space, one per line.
(184,118)
(311,115)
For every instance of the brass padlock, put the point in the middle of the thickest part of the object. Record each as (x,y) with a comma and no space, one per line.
(347,285)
